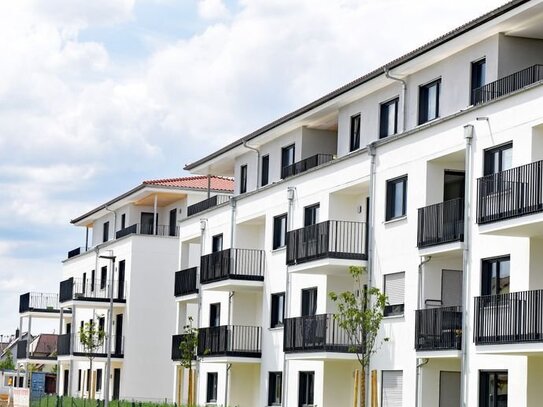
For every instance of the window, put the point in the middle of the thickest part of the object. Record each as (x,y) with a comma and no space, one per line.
(277,309)
(211,393)
(93,278)
(243,179)
(101,323)
(392,388)
(396,198)
(275,389)
(216,243)
(98,379)
(279,231)
(265,177)
(493,389)
(309,301)
(495,276)
(88,380)
(173,222)
(105,232)
(84,285)
(79,380)
(394,290)
(498,159)
(311,215)
(355,133)
(478,78)
(215,314)
(306,386)
(389,118)
(429,101)
(123,221)
(103,277)
(287,157)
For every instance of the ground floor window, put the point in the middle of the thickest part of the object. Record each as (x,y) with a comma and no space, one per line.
(493,389)
(275,382)
(392,388)
(212,379)
(306,386)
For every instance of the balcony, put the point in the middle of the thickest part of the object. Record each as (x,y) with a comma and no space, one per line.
(509,318)
(438,329)
(329,239)
(306,164)
(233,264)
(146,229)
(206,204)
(176,345)
(65,343)
(507,84)
(79,289)
(76,252)
(41,352)
(441,223)
(38,302)
(315,333)
(232,340)
(185,282)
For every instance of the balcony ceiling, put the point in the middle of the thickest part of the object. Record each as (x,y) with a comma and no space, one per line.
(163,199)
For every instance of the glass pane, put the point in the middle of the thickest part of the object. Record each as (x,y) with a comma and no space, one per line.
(503,287)
(432,102)
(391,116)
(398,199)
(494,278)
(501,390)
(507,159)
(482,73)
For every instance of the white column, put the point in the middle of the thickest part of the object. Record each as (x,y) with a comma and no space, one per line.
(155,215)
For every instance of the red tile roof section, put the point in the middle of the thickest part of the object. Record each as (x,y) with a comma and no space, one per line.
(196,182)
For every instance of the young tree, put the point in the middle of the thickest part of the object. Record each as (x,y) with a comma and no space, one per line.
(7,363)
(359,314)
(92,339)
(188,347)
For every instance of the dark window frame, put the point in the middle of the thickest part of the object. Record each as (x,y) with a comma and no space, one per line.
(284,156)
(215,241)
(391,198)
(212,385)
(105,232)
(214,314)
(484,376)
(123,221)
(275,399)
(306,388)
(309,301)
(486,273)
(489,155)
(243,174)
(277,314)
(103,277)
(265,170)
(384,111)
(356,122)
(98,380)
(93,279)
(476,78)
(394,310)
(279,239)
(79,377)
(313,211)
(424,101)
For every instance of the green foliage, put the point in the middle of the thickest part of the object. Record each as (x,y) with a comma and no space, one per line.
(91,338)
(360,313)
(7,363)
(188,345)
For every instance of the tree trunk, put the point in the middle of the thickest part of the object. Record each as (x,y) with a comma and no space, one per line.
(191,391)
(363,387)
(89,379)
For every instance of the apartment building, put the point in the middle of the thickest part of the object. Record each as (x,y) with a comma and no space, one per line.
(425,171)
(131,248)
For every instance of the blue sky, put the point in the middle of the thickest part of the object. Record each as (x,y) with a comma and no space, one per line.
(97,96)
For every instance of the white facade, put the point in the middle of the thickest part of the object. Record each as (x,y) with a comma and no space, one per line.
(442,278)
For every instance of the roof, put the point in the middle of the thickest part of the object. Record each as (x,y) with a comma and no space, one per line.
(366,78)
(196,182)
(47,344)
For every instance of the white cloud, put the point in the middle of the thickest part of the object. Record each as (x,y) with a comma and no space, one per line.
(212,9)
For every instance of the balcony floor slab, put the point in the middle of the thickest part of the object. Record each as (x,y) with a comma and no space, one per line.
(439,354)
(231,359)
(320,356)
(525,349)
(329,266)
(53,314)
(521,226)
(234,285)
(93,304)
(189,298)
(442,250)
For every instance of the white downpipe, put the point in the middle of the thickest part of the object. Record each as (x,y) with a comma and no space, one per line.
(420,362)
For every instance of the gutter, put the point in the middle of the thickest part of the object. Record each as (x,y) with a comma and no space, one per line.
(404,96)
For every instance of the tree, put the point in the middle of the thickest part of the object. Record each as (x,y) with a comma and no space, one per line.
(92,339)
(359,314)
(188,346)
(7,363)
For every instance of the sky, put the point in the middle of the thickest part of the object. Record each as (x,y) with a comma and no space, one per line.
(97,96)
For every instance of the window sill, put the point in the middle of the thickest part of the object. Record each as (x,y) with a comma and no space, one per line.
(394,220)
(276,328)
(279,249)
(392,317)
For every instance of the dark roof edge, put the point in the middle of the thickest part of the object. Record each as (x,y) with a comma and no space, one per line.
(369,76)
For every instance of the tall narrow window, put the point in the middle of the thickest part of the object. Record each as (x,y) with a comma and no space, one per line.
(306,384)
(495,276)
(275,390)
(311,215)
(277,310)
(355,133)
(287,158)
(429,101)
(309,301)
(279,231)
(388,118)
(98,379)
(215,314)
(392,388)
(396,203)
(102,324)
(105,232)
(243,179)
(173,222)
(265,170)
(103,277)
(498,159)
(79,380)
(493,389)
(93,279)
(123,221)
(216,244)
(478,79)
(394,289)
(211,393)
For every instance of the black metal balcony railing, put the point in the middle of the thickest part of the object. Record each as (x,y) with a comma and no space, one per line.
(441,223)
(206,204)
(235,264)
(176,346)
(76,252)
(39,302)
(316,333)
(507,84)
(186,282)
(147,229)
(91,290)
(509,318)
(305,164)
(329,239)
(232,340)
(438,329)
(65,343)
(22,352)
(510,193)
